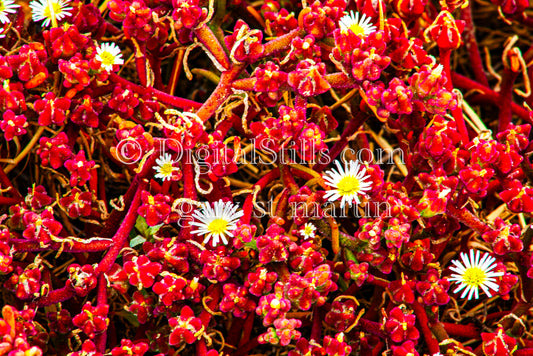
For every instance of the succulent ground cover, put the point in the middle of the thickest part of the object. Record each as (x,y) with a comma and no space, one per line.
(292,178)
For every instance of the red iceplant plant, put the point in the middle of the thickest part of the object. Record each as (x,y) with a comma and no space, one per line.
(298,177)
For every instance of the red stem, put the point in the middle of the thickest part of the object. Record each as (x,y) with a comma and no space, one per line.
(189,192)
(281,43)
(9,201)
(472,47)
(261,183)
(468,84)
(371,327)
(211,43)
(423,324)
(244,349)
(221,93)
(201,348)
(457,112)
(234,333)
(247,329)
(316,329)
(288,179)
(21,245)
(140,63)
(121,236)
(101,299)
(214,292)
(176,72)
(466,217)
(506,98)
(155,63)
(159,95)
(467,331)
(56,296)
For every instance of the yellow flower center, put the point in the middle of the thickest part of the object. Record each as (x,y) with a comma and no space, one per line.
(308,230)
(275,304)
(348,185)
(108,59)
(474,276)
(55,7)
(357,29)
(167,169)
(2,6)
(194,284)
(218,226)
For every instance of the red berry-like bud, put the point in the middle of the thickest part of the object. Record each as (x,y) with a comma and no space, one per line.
(446,31)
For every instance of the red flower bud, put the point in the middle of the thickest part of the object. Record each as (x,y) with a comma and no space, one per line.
(446,31)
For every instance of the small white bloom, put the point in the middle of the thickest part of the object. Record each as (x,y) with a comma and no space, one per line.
(308,231)
(50,11)
(217,222)
(361,27)
(7,7)
(165,167)
(2,32)
(348,183)
(109,54)
(475,273)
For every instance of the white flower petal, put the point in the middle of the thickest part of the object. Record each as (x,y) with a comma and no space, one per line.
(355,174)
(40,10)
(473,273)
(361,26)
(225,211)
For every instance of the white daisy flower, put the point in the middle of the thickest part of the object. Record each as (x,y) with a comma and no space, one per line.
(50,11)
(474,273)
(2,32)
(109,54)
(217,222)
(361,27)
(7,7)
(308,231)
(165,167)
(348,183)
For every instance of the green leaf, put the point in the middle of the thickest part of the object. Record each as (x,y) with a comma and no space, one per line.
(129,316)
(144,229)
(136,241)
(252,244)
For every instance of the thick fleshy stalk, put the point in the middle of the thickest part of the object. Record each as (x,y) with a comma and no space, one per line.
(72,246)
(472,47)
(189,192)
(101,299)
(511,71)
(121,236)
(423,324)
(55,296)
(466,217)
(467,331)
(211,44)
(140,62)
(490,95)
(457,113)
(159,95)
(281,43)
(248,206)
(221,93)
